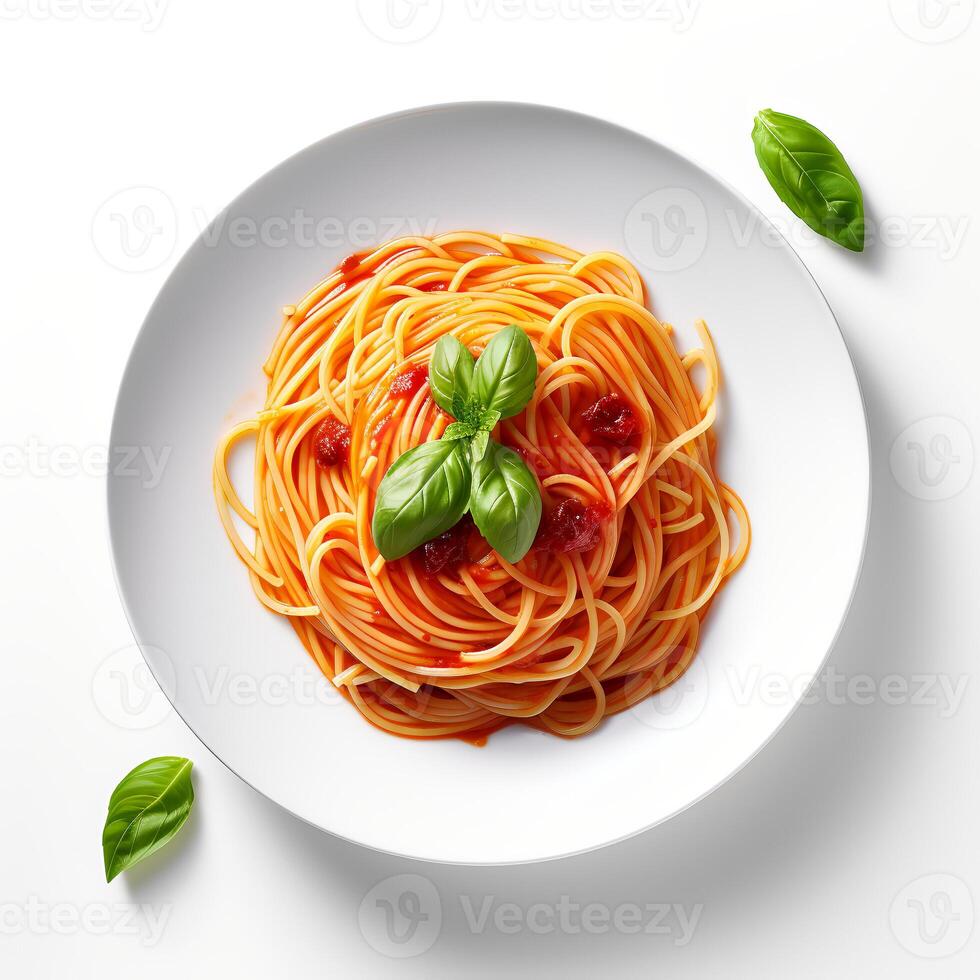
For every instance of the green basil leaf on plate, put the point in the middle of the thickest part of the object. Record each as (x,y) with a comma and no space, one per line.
(146,809)
(506,372)
(425,492)
(450,373)
(811,177)
(505,502)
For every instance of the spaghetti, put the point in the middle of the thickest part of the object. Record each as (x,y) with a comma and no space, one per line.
(635,542)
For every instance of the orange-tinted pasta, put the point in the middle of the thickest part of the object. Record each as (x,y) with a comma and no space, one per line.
(559,640)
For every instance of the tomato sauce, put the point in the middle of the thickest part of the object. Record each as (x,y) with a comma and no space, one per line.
(331,442)
(572,526)
(462,543)
(408,382)
(381,428)
(348,265)
(612,418)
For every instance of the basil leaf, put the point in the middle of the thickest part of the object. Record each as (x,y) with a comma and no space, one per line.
(146,809)
(506,372)
(450,373)
(505,502)
(811,177)
(458,430)
(478,447)
(424,493)
(487,419)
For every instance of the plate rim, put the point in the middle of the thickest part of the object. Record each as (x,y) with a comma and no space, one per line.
(471,105)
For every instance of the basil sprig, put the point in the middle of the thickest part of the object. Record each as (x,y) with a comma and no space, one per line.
(429,488)
(811,177)
(146,809)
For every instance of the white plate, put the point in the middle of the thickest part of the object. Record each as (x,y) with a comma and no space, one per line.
(793,443)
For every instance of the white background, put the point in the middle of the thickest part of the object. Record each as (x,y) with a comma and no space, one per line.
(806,864)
